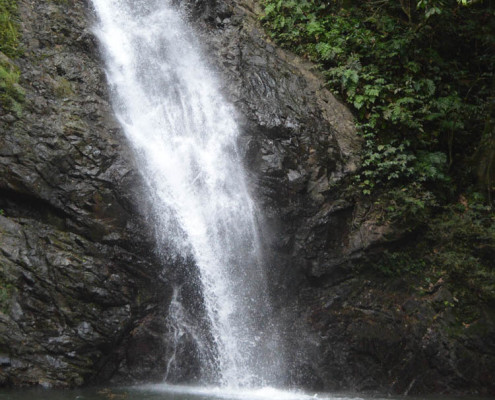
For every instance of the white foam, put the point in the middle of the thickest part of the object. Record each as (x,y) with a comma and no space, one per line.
(264,393)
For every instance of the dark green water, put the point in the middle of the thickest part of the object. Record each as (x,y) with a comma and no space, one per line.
(166,392)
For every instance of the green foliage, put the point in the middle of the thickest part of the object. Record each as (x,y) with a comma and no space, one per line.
(5,295)
(9,35)
(11,93)
(458,249)
(61,2)
(464,247)
(63,88)
(397,264)
(418,78)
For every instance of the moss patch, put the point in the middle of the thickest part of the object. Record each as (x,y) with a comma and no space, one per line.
(455,251)
(5,295)
(9,32)
(63,88)
(11,93)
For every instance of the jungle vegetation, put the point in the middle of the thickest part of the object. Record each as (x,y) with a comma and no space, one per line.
(419,76)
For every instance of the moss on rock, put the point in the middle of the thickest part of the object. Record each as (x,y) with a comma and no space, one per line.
(11,93)
(9,33)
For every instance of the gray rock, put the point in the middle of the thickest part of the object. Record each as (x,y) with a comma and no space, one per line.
(75,251)
(301,147)
(5,361)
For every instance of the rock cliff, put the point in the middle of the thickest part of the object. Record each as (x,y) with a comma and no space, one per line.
(84,295)
(78,272)
(352,327)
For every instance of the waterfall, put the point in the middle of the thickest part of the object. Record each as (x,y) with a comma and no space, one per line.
(184,136)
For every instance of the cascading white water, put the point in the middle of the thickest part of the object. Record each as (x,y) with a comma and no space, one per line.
(184,135)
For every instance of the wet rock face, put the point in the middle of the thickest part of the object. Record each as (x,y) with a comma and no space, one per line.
(66,151)
(70,303)
(79,280)
(352,329)
(298,142)
(378,335)
(84,296)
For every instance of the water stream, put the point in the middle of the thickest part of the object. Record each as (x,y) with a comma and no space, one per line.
(184,136)
(165,392)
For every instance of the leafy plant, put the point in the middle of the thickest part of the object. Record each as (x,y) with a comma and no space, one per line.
(5,294)
(418,78)
(398,263)
(9,34)
(11,93)
(464,240)
(63,88)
